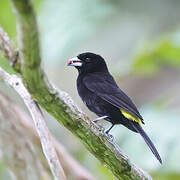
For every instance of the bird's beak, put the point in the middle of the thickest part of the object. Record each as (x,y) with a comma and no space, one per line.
(75,61)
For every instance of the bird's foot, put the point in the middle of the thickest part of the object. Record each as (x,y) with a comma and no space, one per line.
(101,126)
(95,121)
(111,138)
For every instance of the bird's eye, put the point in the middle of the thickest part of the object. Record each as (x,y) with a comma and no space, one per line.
(88,59)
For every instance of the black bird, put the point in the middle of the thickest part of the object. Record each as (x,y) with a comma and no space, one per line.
(100,93)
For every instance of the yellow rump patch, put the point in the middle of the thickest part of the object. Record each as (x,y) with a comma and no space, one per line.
(131,117)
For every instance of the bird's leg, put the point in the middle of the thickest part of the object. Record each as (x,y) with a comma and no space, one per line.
(107,132)
(102,117)
(96,120)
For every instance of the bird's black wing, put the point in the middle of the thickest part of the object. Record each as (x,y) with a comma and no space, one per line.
(105,87)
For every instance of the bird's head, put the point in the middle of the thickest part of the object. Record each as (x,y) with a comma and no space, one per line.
(88,63)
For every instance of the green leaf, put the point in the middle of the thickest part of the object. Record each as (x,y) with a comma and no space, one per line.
(162,53)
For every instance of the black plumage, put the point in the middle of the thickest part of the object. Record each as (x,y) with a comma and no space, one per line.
(99,91)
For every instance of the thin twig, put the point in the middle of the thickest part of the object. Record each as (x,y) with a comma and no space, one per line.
(8,49)
(39,122)
(6,45)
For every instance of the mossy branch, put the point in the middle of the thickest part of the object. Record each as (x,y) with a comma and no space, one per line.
(60,105)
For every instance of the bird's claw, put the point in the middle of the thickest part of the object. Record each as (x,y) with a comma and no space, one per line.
(100,126)
(95,121)
(109,136)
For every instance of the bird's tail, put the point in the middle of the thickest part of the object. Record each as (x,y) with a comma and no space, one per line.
(147,140)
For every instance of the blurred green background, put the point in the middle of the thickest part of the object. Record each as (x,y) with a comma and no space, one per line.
(140,40)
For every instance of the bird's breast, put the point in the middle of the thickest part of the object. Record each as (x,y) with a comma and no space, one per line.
(83,92)
(87,96)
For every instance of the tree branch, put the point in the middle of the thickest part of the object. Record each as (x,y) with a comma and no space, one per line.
(19,151)
(6,45)
(39,122)
(60,105)
(71,167)
(8,50)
